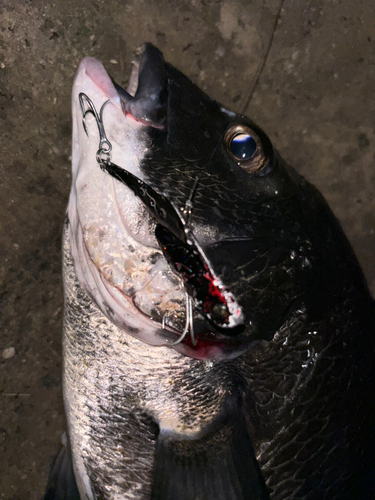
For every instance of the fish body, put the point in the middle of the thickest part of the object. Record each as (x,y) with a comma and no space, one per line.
(218,331)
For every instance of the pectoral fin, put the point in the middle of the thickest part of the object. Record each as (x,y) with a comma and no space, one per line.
(220,465)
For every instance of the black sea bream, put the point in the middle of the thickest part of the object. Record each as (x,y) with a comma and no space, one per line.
(218,331)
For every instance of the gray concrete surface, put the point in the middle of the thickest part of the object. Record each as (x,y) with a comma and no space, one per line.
(314,97)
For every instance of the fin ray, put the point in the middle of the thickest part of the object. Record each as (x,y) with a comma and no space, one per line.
(61,483)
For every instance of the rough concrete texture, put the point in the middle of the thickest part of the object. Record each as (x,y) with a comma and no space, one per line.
(314,97)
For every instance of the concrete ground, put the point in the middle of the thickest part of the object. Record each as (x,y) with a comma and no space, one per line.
(314,96)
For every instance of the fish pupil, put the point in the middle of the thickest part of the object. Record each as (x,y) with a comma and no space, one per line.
(243,146)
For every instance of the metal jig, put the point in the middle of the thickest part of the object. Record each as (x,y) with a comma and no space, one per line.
(176,239)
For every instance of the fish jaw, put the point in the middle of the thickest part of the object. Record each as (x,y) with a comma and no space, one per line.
(116,256)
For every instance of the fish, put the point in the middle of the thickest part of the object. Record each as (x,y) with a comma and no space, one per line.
(218,330)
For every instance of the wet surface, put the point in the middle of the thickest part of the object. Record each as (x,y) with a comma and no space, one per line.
(314,97)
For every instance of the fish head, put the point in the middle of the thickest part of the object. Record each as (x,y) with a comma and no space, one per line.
(184,217)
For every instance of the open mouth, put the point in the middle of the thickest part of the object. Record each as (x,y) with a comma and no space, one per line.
(133,251)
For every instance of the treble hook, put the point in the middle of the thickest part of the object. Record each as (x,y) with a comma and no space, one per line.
(188,323)
(105,147)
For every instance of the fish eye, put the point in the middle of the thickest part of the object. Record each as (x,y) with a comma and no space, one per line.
(242,146)
(245,147)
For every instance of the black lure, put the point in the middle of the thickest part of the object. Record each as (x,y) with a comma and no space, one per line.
(183,253)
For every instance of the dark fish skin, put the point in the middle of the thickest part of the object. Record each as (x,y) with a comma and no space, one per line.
(287,411)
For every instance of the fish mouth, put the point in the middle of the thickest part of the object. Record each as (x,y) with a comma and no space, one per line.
(116,255)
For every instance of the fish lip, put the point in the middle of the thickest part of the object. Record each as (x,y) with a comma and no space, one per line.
(144,101)
(93,70)
(149,104)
